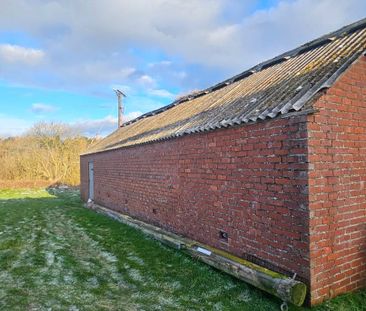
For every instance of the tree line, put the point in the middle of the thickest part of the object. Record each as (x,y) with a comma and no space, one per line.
(47,152)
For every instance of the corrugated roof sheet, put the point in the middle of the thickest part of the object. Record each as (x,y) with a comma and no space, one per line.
(281,85)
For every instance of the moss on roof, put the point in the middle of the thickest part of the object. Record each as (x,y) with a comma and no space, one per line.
(281,85)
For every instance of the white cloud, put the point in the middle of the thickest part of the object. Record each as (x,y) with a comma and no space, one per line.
(93,127)
(42,108)
(98,47)
(12,126)
(103,126)
(146,80)
(17,54)
(132,115)
(162,93)
(161,63)
(94,73)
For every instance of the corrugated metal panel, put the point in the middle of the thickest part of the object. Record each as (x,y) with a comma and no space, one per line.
(284,84)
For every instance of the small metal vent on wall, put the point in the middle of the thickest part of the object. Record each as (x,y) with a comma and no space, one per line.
(224,236)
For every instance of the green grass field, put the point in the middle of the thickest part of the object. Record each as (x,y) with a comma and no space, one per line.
(57,255)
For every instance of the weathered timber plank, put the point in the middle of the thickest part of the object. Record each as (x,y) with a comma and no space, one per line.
(275,283)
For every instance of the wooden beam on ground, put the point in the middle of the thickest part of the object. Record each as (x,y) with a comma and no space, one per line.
(277,284)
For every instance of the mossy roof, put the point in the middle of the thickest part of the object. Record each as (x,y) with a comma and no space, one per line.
(284,84)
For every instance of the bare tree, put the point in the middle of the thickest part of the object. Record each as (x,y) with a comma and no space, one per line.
(48,151)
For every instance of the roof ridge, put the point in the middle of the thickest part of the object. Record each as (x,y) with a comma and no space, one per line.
(331,36)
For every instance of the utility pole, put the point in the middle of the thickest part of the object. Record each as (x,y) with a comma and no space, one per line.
(120,96)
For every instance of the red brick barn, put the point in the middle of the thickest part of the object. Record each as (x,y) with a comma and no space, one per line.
(269,165)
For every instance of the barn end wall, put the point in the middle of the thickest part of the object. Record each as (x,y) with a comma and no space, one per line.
(249,181)
(337,187)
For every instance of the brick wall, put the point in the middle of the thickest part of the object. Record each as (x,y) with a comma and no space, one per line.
(260,183)
(249,181)
(337,187)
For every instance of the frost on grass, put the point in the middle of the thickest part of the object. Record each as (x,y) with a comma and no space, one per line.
(136,259)
(135,275)
(64,266)
(245,296)
(54,263)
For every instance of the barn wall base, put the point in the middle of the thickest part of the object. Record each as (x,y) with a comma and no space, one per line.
(279,285)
